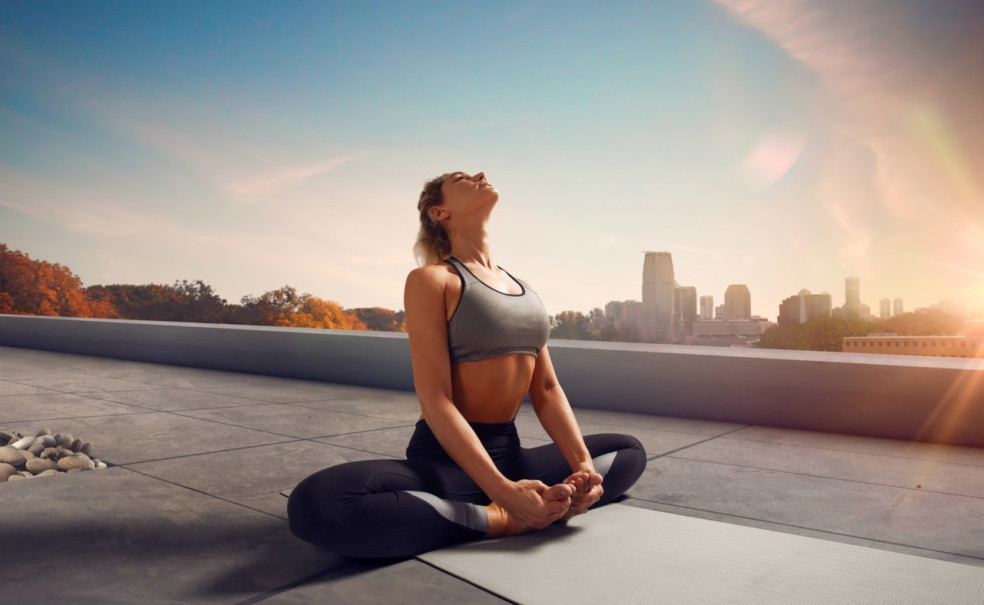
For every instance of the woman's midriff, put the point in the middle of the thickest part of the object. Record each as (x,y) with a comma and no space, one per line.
(491,390)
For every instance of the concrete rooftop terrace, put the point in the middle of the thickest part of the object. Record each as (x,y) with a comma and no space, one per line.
(191,510)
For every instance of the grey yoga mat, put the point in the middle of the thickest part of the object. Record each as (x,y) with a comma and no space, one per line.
(623,554)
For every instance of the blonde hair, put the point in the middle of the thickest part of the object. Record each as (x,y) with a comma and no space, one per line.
(433,244)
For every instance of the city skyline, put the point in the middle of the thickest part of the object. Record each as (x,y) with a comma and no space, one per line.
(778,146)
(662,289)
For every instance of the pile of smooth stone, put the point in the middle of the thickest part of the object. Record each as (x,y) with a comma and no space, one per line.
(43,455)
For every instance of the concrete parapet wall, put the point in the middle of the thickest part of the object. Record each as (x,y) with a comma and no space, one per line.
(927,399)
(380,359)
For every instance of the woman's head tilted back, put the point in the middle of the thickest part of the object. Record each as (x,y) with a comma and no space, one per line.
(433,244)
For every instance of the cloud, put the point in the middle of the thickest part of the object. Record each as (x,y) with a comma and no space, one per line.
(284,177)
(72,208)
(890,87)
(898,91)
(215,150)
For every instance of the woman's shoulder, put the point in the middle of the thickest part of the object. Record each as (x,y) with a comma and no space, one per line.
(434,286)
(430,276)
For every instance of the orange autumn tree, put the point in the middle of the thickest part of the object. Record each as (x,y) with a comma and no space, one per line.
(381,319)
(30,287)
(285,307)
(319,313)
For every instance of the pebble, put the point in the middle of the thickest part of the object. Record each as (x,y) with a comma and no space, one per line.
(39,465)
(23,443)
(43,455)
(74,463)
(6,471)
(36,448)
(12,455)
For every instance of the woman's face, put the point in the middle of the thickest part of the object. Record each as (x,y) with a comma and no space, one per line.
(464,192)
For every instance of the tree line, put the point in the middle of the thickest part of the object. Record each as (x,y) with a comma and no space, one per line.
(33,287)
(817,334)
(826,333)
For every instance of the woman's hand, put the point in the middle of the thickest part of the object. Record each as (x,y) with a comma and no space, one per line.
(534,505)
(587,490)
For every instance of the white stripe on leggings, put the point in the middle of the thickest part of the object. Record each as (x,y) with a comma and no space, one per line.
(470,515)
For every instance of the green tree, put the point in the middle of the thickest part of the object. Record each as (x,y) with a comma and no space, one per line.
(193,301)
(570,325)
(931,322)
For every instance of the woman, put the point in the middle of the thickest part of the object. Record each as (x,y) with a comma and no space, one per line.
(477,343)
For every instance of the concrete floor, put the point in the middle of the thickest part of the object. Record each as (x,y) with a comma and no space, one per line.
(191,511)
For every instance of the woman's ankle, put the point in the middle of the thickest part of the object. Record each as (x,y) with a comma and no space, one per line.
(500,523)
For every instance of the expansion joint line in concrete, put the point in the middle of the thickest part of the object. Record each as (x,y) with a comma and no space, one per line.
(467,581)
(198,491)
(263,596)
(690,445)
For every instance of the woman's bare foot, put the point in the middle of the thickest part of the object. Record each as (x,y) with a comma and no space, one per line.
(501,524)
(558,493)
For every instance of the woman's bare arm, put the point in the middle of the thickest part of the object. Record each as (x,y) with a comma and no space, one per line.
(555,414)
(424,302)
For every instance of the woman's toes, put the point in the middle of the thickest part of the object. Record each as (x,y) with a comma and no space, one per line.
(561,491)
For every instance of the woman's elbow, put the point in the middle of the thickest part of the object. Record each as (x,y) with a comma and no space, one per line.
(543,393)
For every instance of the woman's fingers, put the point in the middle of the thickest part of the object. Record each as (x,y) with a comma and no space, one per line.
(536,505)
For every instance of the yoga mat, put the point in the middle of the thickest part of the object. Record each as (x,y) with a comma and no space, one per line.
(623,554)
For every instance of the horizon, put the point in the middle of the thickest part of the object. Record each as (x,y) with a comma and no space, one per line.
(781,147)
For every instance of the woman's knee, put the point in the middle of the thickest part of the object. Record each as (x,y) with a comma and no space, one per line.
(308,508)
(606,443)
(624,460)
(343,507)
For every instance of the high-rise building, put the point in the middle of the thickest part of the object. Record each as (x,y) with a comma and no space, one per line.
(737,302)
(804,307)
(657,296)
(852,298)
(897,306)
(707,307)
(884,308)
(686,306)
(624,310)
(627,317)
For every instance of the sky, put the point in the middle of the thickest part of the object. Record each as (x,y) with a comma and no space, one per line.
(252,145)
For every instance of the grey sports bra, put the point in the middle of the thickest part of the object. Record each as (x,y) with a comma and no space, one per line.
(488,323)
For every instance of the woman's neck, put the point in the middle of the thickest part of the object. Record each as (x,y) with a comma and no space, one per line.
(472,247)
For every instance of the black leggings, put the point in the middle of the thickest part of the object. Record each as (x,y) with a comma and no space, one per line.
(401,508)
